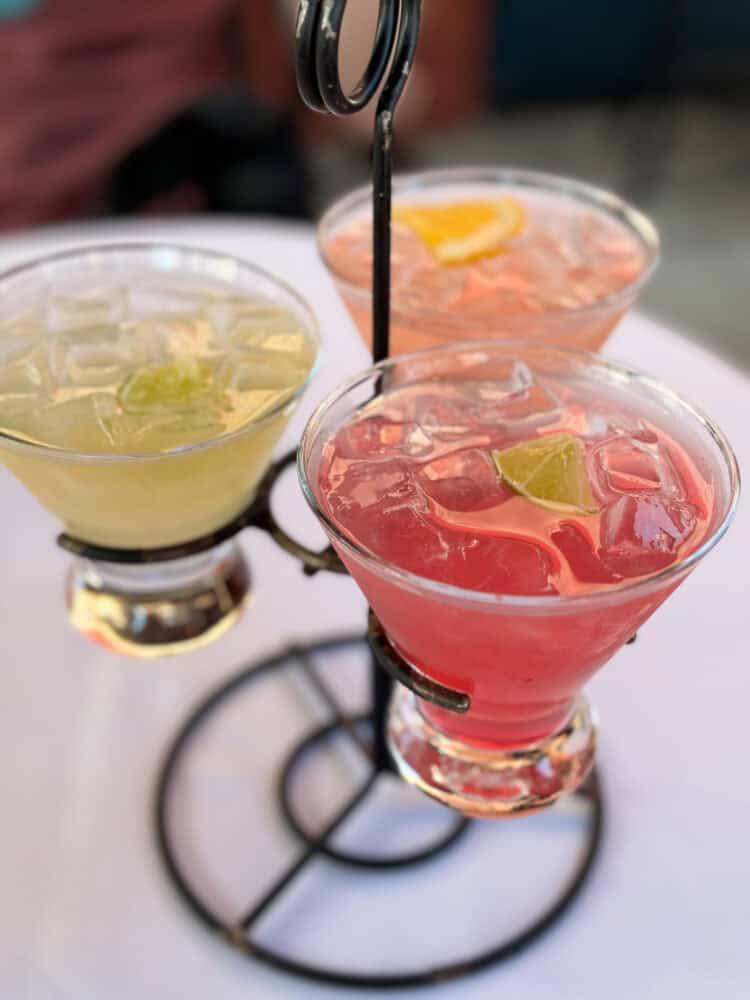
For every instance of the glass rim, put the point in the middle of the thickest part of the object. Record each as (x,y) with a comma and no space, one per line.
(539,602)
(309,321)
(633,218)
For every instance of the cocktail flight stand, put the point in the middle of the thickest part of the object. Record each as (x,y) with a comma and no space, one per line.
(318,29)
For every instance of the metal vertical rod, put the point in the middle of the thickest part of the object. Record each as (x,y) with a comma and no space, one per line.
(318,34)
(381,686)
(408,14)
(381,235)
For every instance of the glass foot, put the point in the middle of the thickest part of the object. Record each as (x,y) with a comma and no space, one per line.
(484,782)
(157,609)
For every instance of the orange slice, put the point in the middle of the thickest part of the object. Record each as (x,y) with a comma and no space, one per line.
(463,231)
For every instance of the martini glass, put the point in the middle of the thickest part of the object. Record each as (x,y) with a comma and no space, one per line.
(499,597)
(580,260)
(142,391)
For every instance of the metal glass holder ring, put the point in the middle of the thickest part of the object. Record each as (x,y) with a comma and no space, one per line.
(257,514)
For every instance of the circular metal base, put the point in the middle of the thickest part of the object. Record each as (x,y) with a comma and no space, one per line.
(315,741)
(240,934)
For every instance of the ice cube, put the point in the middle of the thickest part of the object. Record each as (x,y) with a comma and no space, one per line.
(92,309)
(138,433)
(24,383)
(247,371)
(78,424)
(374,437)
(22,322)
(349,255)
(416,442)
(536,404)
(266,328)
(518,397)
(603,419)
(20,334)
(408,538)
(355,489)
(426,285)
(291,341)
(441,417)
(169,336)
(463,481)
(492,288)
(499,564)
(21,348)
(92,357)
(626,464)
(597,424)
(580,554)
(391,488)
(513,379)
(643,534)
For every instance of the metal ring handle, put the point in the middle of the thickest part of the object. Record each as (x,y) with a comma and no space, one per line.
(419,684)
(263,517)
(257,514)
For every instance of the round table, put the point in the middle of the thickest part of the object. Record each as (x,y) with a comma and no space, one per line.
(87,912)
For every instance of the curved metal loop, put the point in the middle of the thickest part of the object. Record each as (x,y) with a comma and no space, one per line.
(262,517)
(318,35)
(319,83)
(257,514)
(419,684)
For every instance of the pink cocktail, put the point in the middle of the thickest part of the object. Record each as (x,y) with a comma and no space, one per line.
(513,514)
(563,269)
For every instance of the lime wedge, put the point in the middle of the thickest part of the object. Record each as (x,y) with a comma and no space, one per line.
(185,384)
(549,471)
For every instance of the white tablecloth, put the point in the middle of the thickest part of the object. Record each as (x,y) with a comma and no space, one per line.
(85,908)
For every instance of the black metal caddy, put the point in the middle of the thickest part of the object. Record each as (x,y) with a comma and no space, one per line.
(317,42)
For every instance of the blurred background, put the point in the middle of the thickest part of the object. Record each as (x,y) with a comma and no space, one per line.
(190,106)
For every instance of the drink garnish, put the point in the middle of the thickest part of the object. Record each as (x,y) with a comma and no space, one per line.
(550,471)
(464,231)
(175,387)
